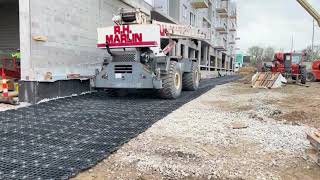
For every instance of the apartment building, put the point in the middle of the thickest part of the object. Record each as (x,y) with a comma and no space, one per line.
(219,17)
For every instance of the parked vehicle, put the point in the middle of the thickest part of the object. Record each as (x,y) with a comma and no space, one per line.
(290,65)
(314,74)
(144,55)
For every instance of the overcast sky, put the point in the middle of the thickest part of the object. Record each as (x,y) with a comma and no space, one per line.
(274,22)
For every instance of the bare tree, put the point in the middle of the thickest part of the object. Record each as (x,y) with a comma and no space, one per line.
(256,54)
(268,54)
(312,55)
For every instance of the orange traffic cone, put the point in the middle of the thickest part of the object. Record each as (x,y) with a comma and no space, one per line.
(5,92)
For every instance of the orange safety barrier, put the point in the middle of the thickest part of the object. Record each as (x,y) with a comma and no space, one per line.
(5,92)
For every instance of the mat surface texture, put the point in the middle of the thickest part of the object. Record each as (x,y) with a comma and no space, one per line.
(60,138)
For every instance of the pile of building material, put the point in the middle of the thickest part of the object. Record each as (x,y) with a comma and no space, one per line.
(268,80)
(247,70)
(314,153)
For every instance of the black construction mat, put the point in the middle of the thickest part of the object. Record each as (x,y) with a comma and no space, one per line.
(60,138)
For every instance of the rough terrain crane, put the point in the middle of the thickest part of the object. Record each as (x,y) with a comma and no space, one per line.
(159,56)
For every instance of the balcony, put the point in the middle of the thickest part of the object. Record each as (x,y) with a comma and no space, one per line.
(206,22)
(220,45)
(222,8)
(222,28)
(233,29)
(224,15)
(233,13)
(232,42)
(199,4)
(233,16)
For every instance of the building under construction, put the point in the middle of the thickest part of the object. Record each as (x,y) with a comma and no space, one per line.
(219,17)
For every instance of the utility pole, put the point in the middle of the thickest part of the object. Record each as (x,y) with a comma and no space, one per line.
(292,42)
(312,46)
(313,29)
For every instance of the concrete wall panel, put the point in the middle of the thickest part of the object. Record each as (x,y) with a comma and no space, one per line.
(70,27)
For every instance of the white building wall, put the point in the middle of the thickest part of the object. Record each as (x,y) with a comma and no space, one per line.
(70,29)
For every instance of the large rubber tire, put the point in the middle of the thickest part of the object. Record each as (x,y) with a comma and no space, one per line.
(191,80)
(171,82)
(311,77)
(303,75)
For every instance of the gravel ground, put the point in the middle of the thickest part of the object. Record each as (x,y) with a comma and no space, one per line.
(197,141)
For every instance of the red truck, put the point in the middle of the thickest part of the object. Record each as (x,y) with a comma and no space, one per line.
(314,74)
(290,65)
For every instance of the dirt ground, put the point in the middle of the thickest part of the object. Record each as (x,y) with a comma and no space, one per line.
(199,141)
(302,105)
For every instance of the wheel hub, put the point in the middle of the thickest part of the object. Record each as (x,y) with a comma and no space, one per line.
(196,76)
(177,80)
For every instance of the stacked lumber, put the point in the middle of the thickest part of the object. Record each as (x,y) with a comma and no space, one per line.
(314,153)
(267,80)
(247,70)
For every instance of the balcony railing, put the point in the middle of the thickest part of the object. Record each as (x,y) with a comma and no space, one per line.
(222,28)
(198,4)
(233,13)
(222,7)
(224,15)
(205,13)
(233,28)
(233,16)
(205,33)
(208,21)
(220,44)
(222,10)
